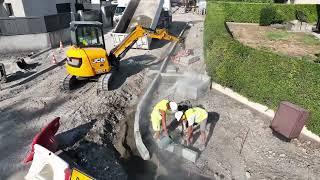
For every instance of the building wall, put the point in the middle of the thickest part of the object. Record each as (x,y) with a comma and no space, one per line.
(28,42)
(27,8)
(3,11)
(17,7)
(33,42)
(39,7)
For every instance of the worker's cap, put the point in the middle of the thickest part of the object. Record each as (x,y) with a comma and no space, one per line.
(178,115)
(173,106)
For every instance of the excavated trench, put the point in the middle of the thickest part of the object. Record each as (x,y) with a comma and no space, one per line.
(111,138)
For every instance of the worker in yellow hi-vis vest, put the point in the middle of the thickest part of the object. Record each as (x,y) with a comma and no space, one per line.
(191,117)
(159,115)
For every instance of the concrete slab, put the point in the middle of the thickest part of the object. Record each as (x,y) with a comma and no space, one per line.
(147,14)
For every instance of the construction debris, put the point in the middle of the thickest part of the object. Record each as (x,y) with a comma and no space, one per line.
(185,57)
(192,86)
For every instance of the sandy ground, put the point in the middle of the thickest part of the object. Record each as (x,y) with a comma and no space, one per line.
(292,43)
(240,143)
(91,130)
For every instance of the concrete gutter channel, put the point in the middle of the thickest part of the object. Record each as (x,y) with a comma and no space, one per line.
(145,102)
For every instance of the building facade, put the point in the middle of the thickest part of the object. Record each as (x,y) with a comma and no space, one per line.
(29,8)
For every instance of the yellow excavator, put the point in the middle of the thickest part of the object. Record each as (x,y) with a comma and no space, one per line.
(88,58)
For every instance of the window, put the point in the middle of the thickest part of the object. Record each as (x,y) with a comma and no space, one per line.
(119,10)
(63,8)
(89,37)
(9,9)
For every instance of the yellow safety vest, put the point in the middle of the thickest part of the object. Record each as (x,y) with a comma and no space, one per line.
(199,113)
(162,105)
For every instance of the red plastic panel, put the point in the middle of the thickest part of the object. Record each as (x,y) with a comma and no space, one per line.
(45,138)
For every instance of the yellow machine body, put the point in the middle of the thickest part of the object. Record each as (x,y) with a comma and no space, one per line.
(88,56)
(93,61)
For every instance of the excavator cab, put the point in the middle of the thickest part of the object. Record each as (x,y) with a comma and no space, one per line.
(87,57)
(86,34)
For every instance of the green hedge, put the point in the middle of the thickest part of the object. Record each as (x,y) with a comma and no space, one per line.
(261,76)
(250,13)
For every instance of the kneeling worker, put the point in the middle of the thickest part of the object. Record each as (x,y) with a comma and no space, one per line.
(159,115)
(191,116)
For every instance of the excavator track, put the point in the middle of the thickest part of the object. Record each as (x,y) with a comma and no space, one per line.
(104,82)
(69,82)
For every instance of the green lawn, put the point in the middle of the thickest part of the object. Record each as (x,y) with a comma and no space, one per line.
(278,35)
(261,76)
(311,40)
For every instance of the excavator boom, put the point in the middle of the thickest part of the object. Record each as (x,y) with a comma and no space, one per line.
(139,31)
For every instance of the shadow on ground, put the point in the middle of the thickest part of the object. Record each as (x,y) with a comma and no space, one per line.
(131,66)
(72,136)
(13,118)
(32,77)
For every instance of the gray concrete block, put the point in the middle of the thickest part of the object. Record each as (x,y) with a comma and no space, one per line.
(171,69)
(183,152)
(143,151)
(192,86)
(188,60)
(189,154)
(164,142)
(170,148)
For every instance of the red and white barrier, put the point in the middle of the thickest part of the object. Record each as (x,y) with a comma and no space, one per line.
(47,165)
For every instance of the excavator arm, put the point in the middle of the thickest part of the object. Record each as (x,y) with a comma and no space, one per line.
(119,51)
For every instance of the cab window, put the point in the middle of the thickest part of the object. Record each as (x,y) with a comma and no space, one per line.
(89,37)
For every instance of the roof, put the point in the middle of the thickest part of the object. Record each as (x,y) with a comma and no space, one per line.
(75,23)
